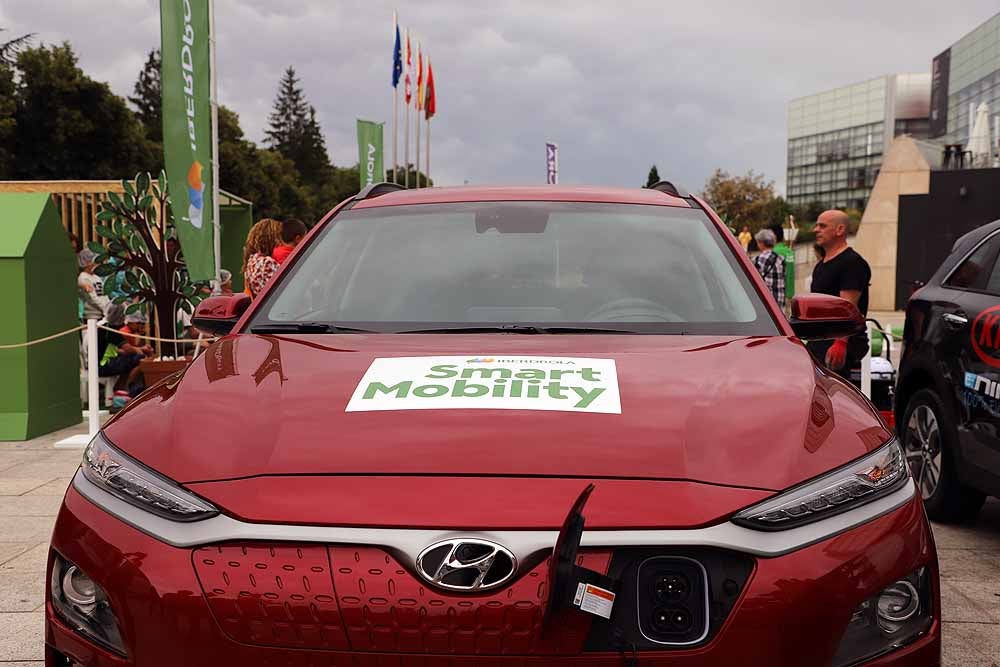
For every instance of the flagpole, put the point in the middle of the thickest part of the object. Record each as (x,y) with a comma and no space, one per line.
(395,100)
(214,83)
(406,149)
(395,131)
(416,174)
(427,171)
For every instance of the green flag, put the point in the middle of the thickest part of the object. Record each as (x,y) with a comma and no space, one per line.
(187,128)
(370,152)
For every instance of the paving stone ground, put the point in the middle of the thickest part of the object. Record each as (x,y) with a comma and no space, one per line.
(34,475)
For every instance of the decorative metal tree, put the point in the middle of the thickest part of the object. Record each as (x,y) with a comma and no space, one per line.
(139,259)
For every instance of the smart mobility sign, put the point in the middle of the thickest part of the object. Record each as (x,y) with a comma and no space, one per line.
(569,384)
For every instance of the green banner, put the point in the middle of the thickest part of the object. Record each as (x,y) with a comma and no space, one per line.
(370,165)
(187,128)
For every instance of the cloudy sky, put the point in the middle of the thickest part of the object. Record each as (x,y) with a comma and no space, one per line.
(618,85)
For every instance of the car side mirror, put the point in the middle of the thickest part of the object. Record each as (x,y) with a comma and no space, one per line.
(219,314)
(821,317)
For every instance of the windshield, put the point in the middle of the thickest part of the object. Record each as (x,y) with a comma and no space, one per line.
(647,269)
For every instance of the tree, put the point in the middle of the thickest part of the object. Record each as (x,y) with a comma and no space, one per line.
(740,200)
(653,178)
(294,131)
(136,226)
(288,113)
(809,212)
(8,121)
(263,176)
(777,213)
(10,48)
(70,126)
(148,98)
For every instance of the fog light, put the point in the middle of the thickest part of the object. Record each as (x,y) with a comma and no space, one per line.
(897,604)
(84,605)
(79,588)
(898,615)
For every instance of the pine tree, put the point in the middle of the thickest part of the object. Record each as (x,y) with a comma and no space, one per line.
(309,151)
(653,178)
(288,113)
(295,133)
(148,98)
(10,48)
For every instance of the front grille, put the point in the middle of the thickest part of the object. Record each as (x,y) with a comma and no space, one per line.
(362,599)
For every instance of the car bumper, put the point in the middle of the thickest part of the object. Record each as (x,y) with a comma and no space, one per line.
(172,607)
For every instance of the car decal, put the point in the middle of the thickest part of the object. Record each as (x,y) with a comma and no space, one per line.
(985,336)
(493,382)
(981,392)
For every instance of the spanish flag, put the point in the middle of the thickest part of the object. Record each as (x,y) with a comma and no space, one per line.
(420,80)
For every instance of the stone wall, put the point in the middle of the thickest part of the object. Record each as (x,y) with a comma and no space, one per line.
(905,171)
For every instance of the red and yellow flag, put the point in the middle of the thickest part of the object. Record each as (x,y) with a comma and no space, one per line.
(430,100)
(420,80)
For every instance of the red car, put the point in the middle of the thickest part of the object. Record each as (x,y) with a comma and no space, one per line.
(492,426)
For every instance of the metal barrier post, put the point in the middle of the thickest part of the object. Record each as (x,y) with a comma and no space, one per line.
(93,397)
(866,367)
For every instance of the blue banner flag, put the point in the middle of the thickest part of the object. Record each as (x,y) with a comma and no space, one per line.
(397,59)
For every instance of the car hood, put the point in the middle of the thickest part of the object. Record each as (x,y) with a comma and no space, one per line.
(743,412)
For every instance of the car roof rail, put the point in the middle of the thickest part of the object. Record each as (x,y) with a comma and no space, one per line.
(670,189)
(377,190)
(677,191)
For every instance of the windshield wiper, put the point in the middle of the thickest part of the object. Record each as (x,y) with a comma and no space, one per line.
(520,329)
(304,327)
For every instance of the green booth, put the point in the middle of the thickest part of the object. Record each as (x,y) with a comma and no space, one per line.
(236,216)
(40,386)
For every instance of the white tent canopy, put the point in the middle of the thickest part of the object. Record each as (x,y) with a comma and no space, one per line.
(979,138)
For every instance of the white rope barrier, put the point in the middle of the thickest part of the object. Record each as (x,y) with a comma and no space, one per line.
(14,346)
(93,364)
(154,338)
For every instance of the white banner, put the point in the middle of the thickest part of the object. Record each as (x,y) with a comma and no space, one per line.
(570,384)
(552,163)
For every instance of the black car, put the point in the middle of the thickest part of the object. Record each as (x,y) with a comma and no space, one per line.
(948,396)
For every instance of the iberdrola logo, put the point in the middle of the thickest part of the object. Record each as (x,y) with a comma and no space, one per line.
(196,191)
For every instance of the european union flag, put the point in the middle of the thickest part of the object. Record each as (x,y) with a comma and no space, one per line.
(397,60)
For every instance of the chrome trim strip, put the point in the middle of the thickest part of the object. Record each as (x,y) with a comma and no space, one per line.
(708,610)
(408,543)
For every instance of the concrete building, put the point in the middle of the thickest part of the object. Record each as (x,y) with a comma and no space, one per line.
(836,139)
(964,75)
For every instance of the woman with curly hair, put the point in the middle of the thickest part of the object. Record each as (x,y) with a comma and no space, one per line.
(258,265)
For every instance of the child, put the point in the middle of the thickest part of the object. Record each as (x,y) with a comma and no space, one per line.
(90,287)
(134,329)
(292,232)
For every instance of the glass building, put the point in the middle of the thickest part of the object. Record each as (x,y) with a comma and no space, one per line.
(965,75)
(836,139)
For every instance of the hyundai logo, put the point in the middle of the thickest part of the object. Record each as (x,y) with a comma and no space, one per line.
(466,564)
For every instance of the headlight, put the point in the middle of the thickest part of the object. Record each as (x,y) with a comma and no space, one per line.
(134,483)
(873,476)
